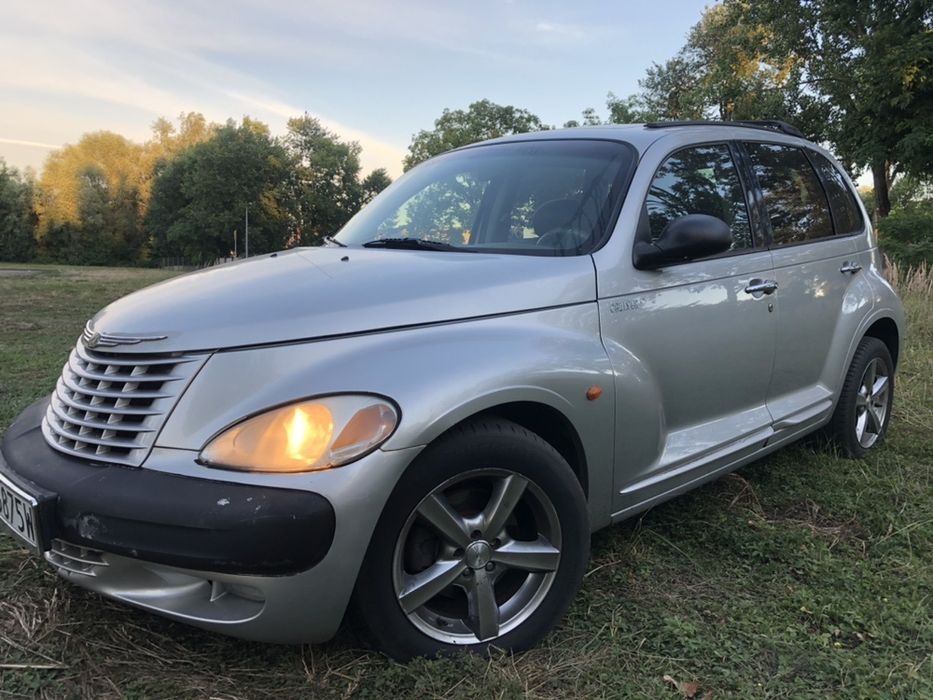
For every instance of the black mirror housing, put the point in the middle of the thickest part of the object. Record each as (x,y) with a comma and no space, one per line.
(685,238)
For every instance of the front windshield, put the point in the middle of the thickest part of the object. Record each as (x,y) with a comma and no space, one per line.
(548,197)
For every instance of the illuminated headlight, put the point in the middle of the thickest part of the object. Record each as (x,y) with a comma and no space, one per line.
(305,436)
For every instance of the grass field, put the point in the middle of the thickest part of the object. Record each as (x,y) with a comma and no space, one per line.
(803,575)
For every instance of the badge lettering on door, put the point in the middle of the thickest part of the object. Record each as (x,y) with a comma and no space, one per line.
(626,305)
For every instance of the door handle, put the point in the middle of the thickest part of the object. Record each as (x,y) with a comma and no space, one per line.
(850,268)
(761,287)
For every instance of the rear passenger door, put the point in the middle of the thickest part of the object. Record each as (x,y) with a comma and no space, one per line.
(816,255)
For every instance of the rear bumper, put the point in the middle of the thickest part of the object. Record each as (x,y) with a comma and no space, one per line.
(268,558)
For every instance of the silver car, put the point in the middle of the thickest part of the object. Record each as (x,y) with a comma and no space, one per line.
(516,344)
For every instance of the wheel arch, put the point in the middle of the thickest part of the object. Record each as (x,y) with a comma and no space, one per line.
(548,423)
(885,330)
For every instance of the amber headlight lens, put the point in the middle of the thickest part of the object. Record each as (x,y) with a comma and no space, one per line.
(304,436)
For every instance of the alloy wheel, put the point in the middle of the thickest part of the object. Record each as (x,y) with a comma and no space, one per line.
(871,403)
(477,556)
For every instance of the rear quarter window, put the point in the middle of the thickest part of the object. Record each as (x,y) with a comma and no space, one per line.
(847,215)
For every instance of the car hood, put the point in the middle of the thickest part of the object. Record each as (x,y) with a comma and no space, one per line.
(311,293)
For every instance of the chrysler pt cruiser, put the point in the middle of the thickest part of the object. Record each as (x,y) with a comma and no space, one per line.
(516,344)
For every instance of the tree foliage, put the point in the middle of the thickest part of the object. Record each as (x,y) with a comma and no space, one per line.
(374,183)
(327,187)
(869,66)
(17,216)
(906,236)
(725,71)
(856,74)
(115,158)
(93,194)
(199,200)
(481,120)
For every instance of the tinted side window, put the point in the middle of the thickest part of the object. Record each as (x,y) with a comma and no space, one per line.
(699,180)
(846,212)
(793,194)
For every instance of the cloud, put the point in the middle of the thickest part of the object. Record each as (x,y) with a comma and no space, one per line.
(558,30)
(30,144)
(376,153)
(127,58)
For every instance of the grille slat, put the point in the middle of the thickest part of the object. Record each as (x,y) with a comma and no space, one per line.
(113,375)
(109,407)
(132,360)
(100,408)
(94,388)
(99,437)
(86,422)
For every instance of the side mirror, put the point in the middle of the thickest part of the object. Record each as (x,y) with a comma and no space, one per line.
(686,238)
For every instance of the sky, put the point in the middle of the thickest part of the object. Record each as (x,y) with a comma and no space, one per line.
(374,72)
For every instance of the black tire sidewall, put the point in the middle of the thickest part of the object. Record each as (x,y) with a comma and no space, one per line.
(843,426)
(489,443)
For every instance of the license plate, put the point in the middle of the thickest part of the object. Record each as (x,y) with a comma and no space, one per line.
(19,512)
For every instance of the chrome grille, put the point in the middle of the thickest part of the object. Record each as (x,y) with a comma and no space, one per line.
(110,406)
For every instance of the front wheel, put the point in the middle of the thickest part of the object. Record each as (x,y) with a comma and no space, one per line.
(864,409)
(483,543)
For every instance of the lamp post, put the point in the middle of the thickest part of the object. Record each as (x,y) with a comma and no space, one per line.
(247,231)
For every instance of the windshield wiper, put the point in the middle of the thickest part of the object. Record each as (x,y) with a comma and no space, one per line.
(334,241)
(412,244)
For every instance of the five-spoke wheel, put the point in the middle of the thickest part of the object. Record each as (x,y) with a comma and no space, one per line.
(871,403)
(484,542)
(864,407)
(477,556)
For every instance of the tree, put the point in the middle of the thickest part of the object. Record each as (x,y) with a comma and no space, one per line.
(455,128)
(17,216)
(374,183)
(168,142)
(868,64)
(628,110)
(93,194)
(327,189)
(115,157)
(590,118)
(199,200)
(89,196)
(108,229)
(724,71)
(674,89)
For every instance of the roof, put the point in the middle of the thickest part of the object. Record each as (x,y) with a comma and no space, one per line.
(643,135)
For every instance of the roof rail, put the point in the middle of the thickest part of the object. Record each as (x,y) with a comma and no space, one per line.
(766,124)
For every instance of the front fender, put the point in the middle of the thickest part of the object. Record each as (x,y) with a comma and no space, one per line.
(439,375)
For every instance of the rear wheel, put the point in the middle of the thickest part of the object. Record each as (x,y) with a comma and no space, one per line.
(864,409)
(483,543)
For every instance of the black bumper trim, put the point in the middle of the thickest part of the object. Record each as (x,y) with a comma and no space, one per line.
(191,523)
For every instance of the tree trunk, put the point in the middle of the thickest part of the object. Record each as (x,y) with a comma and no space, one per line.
(879,174)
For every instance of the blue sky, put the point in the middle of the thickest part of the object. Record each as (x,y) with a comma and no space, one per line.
(376,72)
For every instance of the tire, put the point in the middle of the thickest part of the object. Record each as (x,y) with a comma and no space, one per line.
(861,418)
(524,562)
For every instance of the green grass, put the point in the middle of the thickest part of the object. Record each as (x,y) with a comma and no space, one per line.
(803,575)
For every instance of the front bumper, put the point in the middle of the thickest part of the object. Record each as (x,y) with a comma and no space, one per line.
(271,558)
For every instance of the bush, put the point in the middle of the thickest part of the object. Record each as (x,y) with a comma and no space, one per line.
(906,236)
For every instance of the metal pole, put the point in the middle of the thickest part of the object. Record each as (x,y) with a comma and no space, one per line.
(247,230)
(235,255)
